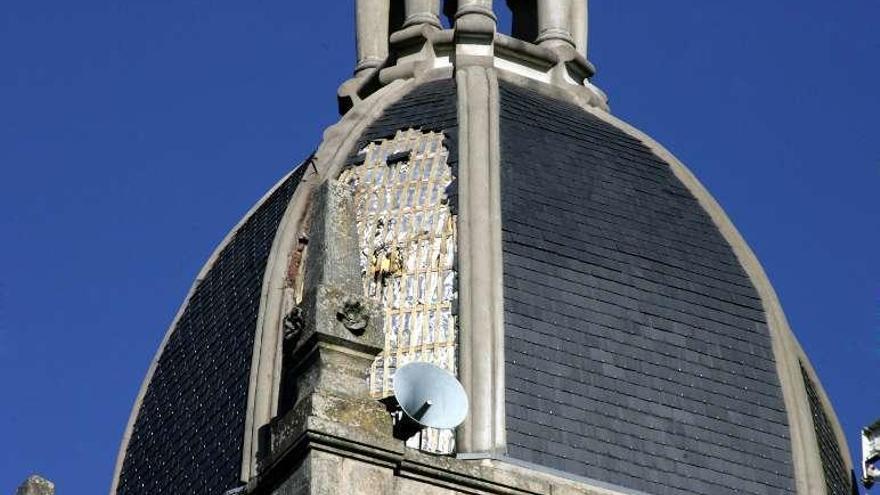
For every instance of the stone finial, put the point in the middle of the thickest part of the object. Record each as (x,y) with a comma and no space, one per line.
(36,485)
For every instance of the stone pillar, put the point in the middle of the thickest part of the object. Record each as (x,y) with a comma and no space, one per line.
(475,13)
(422,12)
(330,341)
(372,33)
(580,25)
(480,315)
(554,20)
(334,316)
(36,485)
(474,31)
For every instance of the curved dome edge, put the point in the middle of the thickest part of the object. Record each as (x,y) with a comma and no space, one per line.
(788,353)
(206,267)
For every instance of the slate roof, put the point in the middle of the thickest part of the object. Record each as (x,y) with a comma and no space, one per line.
(637,349)
(838,480)
(189,431)
(431,106)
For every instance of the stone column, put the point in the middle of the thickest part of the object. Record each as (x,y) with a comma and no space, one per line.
(372,33)
(580,25)
(474,31)
(475,16)
(422,12)
(480,314)
(479,7)
(330,341)
(334,322)
(554,19)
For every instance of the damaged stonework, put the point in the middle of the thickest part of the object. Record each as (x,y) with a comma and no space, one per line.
(331,337)
(407,236)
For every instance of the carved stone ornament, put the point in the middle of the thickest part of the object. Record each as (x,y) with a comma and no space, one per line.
(294,324)
(354,316)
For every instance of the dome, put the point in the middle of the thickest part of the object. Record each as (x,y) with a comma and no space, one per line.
(611,326)
(188,425)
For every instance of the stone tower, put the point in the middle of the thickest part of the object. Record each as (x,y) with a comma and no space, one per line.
(477,206)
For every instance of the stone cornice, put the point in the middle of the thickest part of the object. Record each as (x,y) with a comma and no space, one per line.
(320,425)
(421,48)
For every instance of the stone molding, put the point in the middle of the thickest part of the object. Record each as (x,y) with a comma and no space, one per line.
(321,454)
(557,56)
(481,300)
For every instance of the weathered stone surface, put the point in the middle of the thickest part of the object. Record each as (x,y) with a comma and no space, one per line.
(333,256)
(344,465)
(405,486)
(333,304)
(349,418)
(334,313)
(334,337)
(335,332)
(363,477)
(297,483)
(327,475)
(36,485)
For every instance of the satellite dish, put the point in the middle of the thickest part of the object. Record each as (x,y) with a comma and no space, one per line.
(427,396)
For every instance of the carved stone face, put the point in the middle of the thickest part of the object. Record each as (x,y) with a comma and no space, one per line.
(353,316)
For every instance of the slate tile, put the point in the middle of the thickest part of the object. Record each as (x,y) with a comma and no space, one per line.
(191,422)
(605,249)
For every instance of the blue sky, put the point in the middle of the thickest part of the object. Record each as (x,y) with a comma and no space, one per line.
(133,136)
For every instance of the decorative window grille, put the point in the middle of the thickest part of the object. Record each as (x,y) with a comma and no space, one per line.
(408,241)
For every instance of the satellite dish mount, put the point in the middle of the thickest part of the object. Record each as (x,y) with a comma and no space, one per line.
(425,396)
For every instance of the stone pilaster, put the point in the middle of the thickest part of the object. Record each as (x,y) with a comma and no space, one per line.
(330,340)
(481,327)
(332,337)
